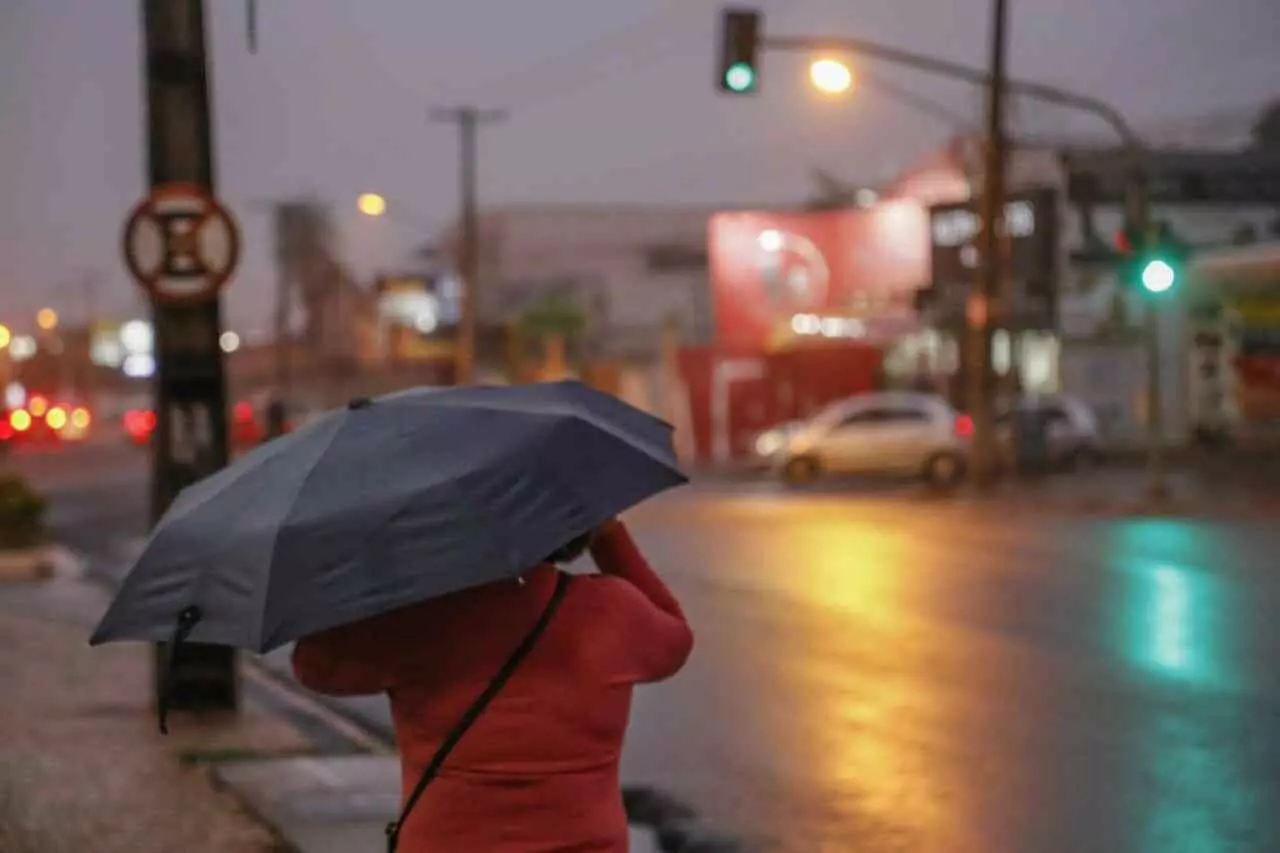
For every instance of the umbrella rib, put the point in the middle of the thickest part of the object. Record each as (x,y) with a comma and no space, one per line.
(566,412)
(275,537)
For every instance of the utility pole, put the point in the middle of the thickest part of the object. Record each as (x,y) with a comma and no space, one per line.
(988,287)
(277,406)
(190,383)
(468,119)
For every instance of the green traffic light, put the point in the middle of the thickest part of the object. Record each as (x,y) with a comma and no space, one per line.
(1158,276)
(740,77)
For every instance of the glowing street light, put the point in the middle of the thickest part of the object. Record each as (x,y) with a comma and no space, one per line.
(831,76)
(5,336)
(229,341)
(371,204)
(47,319)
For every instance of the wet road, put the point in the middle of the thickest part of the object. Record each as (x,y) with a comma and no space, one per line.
(876,674)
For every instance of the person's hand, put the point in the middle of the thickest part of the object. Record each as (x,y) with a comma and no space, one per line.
(604,528)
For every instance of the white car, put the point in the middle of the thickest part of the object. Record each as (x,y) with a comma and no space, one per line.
(896,432)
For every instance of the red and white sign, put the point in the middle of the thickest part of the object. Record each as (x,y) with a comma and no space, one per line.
(180,243)
(767,268)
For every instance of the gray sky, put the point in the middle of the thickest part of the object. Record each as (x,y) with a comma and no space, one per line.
(609,101)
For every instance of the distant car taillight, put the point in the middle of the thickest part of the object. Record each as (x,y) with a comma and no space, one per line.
(964,426)
(139,423)
(20,420)
(80,418)
(56,418)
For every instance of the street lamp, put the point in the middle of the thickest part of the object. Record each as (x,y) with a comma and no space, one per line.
(371,204)
(5,336)
(831,76)
(47,319)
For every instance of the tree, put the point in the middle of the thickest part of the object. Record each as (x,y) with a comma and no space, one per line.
(1266,131)
(557,316)
(554,322)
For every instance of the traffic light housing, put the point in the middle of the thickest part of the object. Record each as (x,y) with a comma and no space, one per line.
(1152,263)
(739,70)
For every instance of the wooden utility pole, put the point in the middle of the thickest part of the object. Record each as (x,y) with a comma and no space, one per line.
(987,299)
(190,385)
(468,119)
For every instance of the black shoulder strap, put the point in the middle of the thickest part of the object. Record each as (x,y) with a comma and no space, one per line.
(477,708)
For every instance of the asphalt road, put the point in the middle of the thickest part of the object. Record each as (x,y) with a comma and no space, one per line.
(877,674)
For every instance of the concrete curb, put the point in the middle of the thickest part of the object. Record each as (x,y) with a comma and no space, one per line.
(41,563)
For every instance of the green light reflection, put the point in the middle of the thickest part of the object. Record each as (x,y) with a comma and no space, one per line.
(1169,622)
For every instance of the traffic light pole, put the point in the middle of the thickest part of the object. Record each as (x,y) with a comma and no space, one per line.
(468,120)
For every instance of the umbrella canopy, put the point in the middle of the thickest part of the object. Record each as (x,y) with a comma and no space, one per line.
(386,503)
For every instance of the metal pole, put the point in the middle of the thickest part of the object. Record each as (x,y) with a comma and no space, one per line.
(957,71)
(468,119)
(1157,481)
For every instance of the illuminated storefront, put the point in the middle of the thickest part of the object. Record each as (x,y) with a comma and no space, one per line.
(1234,343)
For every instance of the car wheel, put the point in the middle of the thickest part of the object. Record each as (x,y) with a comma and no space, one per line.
(944,470)
(800,470)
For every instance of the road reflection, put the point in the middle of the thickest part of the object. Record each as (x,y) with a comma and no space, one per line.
(855,700)
(882,679)
(1172,612)
(1202,793)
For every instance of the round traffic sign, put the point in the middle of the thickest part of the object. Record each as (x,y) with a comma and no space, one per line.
(180,243)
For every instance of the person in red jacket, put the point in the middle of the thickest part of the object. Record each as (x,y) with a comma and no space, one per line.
(538,771)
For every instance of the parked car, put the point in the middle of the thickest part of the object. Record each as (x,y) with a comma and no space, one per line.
(1073,439)
(898,432)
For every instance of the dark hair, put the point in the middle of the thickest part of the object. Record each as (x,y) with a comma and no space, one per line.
(570,551)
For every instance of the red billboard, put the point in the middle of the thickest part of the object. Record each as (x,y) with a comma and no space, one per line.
(774,275)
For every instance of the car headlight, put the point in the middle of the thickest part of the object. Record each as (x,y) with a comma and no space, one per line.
(769,443)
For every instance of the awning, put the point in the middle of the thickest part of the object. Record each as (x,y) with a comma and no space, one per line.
(1238,270)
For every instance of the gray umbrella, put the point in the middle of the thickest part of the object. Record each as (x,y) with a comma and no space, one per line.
(386,503)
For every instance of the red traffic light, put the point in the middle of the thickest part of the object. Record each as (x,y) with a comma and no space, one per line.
(1123,244)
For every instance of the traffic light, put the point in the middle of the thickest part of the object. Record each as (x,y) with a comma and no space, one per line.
(739,47)
(1153,263)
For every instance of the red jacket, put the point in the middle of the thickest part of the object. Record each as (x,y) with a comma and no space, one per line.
(538,772)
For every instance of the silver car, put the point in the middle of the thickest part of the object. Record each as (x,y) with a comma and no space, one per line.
(1073,437)
(897,432)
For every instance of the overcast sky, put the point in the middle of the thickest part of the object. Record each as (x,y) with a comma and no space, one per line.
(610,100)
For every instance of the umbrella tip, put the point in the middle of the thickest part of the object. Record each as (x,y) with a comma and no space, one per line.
(359,403)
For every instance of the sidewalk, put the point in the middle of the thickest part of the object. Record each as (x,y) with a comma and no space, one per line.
(82,767)
(335,804)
